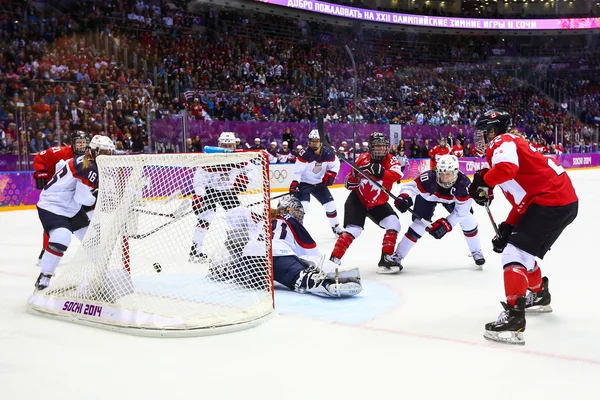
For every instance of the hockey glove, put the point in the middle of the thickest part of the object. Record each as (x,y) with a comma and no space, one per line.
(374,169)
(439,228)
(41,179)
(293,187)
(403,203)
(352,182)
(480,191)
(329,178)
(500,241)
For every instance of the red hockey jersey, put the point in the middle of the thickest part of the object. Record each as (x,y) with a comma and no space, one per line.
(526,176)
(370,195)
(46,160)
(436,153)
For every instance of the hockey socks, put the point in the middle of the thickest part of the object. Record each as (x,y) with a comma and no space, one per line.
(515,282)
(389,241)
(407,242)
(535,279)
(341,245)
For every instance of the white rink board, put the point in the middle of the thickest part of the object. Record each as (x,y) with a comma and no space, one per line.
(420,337)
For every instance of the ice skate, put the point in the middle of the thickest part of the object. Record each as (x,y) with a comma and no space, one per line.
(39,261)
(389,264)
(337,230)
(196,256)
(510,325)
(43,281)
(478,258)
(539,303)
(335,260)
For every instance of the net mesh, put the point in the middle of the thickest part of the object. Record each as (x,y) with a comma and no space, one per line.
(177,242)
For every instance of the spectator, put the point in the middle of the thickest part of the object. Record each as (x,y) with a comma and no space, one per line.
(38,143)
(288,137)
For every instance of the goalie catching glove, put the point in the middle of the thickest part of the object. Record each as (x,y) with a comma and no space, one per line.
(41,179)
(479,190)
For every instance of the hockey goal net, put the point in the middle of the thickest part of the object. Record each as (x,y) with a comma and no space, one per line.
(179,245)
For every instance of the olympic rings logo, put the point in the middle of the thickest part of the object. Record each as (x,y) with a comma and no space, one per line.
(278,175)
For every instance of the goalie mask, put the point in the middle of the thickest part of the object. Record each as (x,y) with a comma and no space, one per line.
(314,140)
(101,145)
(290,206)
(79,142)
(491,124)
(378,146)
(227,140)
(447,170)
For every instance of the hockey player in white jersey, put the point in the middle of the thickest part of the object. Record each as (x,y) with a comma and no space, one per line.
(217,185)
(448,186)
(61,204)
(314,171)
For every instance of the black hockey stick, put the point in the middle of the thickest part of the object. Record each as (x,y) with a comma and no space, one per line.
(341,156)
(175,214)
(489,213)
(158,228)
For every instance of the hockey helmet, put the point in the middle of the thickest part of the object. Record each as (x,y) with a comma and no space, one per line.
(227,140)
(490,124)
(101,145)
(314,140)
(290,206)
(378,146)
(79,142)
(447,170)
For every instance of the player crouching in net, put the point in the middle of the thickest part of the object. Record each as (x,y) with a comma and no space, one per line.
(61,204)
(448,186)
(298,264)
(367,200)
(214,185)
(543,204)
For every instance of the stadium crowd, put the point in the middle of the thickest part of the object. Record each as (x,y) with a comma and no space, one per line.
(113,66)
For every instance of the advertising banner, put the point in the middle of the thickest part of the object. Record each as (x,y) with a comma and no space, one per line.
(362,14)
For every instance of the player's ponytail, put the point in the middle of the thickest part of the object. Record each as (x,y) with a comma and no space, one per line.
(274,213)
(87,160)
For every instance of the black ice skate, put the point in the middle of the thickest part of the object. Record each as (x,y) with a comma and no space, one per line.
(42,281)
(510,325)
(389,264)
(538,303)
(197,256)
(478,258)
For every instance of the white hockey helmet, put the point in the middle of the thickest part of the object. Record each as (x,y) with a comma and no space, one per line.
(314,140)
(101,145)
(447,170)
(227,140)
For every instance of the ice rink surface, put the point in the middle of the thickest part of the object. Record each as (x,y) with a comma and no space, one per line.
(416,334)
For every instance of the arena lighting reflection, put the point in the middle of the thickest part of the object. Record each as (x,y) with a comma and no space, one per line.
(436,22)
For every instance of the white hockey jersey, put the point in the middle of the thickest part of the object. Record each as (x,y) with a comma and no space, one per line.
(426,186)
(310,167)
(290,238)
(70,188)
(224,176)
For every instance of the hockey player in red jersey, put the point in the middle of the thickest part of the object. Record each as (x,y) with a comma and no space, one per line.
(438,151)
(458,150)
(45,165)
(543,203)
(367,200)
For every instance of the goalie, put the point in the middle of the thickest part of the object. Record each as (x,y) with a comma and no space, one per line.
(297,263)
(214,185)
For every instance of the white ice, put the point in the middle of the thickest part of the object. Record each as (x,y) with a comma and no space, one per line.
(416,334)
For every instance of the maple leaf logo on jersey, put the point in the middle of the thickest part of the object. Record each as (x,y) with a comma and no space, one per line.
(369,191)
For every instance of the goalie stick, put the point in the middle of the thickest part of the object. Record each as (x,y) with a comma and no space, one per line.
(158,228)
(175,214)
(341,156)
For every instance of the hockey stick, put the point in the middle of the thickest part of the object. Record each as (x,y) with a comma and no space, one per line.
(158,228)
(175,214)
(341,156)
(489,213)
